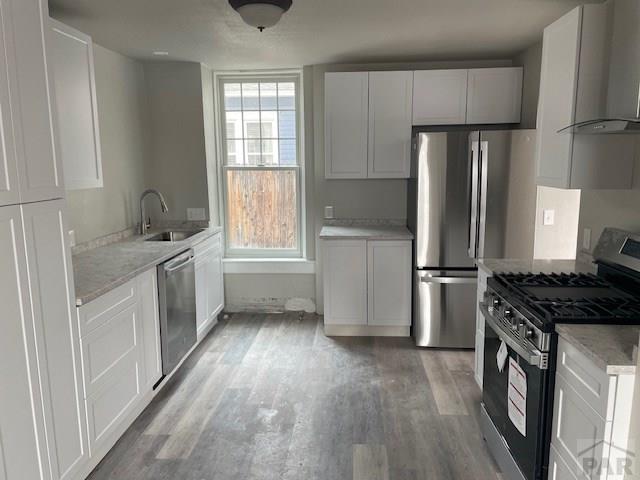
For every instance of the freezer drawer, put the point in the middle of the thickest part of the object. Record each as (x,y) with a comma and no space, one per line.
(444,310)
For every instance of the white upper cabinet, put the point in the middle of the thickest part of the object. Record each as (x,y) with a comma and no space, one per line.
(439,97)
(346,103)
(494,95)
(572,89)
(56,331)
(390,102)
(25,42)
(76,106)
(9,193)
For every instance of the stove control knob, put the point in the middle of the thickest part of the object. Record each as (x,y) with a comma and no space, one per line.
(529,334)
(508,314)
(496,303)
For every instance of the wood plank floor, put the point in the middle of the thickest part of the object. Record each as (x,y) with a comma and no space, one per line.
(270,397)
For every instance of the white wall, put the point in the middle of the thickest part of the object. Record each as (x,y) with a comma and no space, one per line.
(557,241)
(122,117)
(176,164)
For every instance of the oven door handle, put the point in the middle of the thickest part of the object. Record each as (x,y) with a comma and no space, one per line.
(531,356)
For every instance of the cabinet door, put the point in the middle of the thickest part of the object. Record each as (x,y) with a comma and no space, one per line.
(346,112)
(345,282)
(215,296)
(390,101)
(150,326)
(494,95)
(56,328)
(76,106)
(202,296)
(20,415)
(389,282)
(439,97)
(556,105)
(9,193)
(30,81)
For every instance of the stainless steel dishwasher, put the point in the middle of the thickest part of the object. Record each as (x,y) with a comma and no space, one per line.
(177,295)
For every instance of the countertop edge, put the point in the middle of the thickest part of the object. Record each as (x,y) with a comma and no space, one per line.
(179,247)
(609,368)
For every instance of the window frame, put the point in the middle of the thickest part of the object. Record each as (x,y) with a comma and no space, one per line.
(292,76)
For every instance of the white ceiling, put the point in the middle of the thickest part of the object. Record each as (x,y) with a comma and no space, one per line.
(315,31)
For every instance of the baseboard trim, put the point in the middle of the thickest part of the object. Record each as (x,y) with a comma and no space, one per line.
(365,331)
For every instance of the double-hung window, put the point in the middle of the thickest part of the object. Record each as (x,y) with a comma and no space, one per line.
(261,165)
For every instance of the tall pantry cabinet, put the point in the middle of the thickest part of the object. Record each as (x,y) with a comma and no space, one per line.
(42,432)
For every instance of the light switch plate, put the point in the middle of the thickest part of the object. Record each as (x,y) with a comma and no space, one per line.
(195,214)
(72,238)
(586,239)
(548,217)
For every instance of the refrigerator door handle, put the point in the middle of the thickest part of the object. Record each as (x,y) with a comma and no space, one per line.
(475,198)
(449,280)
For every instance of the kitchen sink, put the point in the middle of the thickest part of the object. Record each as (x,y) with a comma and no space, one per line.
(173,236)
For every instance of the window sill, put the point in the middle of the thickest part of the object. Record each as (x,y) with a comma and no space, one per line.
(269,265)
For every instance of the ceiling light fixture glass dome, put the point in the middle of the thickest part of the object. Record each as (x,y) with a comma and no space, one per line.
(261,13)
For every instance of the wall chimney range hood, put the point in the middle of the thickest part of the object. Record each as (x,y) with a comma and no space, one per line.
(621,93)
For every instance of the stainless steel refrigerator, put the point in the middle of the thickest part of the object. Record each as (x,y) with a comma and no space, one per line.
(457,197)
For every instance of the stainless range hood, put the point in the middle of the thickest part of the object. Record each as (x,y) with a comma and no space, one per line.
(622,90)
(603,126)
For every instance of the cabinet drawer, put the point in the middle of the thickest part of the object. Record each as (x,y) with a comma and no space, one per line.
(108,346)
(578,433)
(109,405)
(102,309)
(591,383)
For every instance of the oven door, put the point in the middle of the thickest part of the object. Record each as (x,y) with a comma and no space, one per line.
(528,450)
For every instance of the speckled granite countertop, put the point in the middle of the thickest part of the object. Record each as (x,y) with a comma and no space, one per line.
(518,265)
(613,348)
(365,232)
(102,269)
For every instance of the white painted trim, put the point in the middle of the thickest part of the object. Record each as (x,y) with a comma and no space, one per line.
(269,265)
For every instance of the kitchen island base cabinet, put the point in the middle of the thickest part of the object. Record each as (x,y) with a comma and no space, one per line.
(367,287)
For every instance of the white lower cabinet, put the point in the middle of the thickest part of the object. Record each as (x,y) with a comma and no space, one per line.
(209,283)
(42,415)
(483,276)
(591,415)
(367,283)
(120,340)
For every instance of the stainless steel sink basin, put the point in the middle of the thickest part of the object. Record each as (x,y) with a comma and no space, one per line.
(173,236)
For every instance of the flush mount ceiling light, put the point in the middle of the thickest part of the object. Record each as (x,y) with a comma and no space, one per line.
(261,13)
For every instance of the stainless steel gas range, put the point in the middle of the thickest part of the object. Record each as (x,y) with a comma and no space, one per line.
(521,311)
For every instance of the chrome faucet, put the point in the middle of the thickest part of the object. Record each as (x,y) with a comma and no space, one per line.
(144,224)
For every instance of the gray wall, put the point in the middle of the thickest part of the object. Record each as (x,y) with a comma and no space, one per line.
(122,117)
(531,62)
(176,164)
(610,208)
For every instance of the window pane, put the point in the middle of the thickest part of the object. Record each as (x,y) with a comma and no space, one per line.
(231,96)
(234,124)
(234,152)
(270,152)
(262,209)
(250,96)
(286,95)
(287,124)
(268,96)
(287,150)
(251,124)
(269,124)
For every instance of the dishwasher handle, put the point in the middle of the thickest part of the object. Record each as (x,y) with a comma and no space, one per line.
(450,280)
(179,262)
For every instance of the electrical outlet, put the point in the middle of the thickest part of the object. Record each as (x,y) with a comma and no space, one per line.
(72,238)
(196,214)
(328,212)
(586,239)
(548,217)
